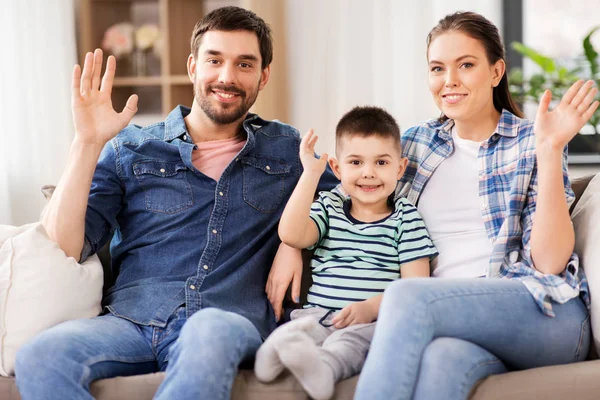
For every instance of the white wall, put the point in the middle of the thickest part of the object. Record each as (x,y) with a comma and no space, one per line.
(344,53)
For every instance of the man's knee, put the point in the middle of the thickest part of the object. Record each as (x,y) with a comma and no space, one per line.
(215,325)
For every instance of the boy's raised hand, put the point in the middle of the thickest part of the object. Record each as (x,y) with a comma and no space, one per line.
(96,121)
(310,162)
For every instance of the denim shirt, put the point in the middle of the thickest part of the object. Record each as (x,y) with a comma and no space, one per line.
(180,237)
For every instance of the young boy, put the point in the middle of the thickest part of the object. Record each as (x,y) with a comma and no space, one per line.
(362,241)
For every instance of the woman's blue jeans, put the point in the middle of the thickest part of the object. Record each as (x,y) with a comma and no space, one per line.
(200,355)
(435,338)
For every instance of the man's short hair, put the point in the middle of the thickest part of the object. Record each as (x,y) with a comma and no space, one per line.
(368,121)
(232,18)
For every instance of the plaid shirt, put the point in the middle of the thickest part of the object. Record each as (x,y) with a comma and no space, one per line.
(508,194)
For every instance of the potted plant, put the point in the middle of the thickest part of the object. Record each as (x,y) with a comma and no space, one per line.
(558,77)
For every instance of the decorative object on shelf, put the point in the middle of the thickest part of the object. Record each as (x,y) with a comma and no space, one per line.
(558,77)
(124,40)
(146,37)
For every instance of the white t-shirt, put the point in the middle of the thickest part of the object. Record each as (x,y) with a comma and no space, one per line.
(451,208)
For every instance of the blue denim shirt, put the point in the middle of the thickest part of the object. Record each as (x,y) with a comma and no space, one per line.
(180,237)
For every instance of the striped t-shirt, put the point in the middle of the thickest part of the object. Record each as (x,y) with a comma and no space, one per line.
(354,261)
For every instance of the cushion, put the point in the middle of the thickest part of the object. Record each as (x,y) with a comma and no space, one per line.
(40,287)
(586,221)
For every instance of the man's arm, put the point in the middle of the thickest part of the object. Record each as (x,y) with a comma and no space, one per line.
(96,122)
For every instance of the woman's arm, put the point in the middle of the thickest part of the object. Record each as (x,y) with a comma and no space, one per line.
(296,228)
(552,234)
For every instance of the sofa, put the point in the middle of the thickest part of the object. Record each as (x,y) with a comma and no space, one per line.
(572,381)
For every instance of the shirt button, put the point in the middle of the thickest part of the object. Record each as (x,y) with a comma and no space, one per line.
(214,231)
(205,267)
(220,193)
(484,206)
(268,168)
(192,287)
(185,137)
(162,170)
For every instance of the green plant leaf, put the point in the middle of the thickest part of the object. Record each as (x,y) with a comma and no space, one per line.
(590,52)
(546,63)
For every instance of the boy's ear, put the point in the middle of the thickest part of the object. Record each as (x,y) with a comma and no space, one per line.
(335,167)
(402,167)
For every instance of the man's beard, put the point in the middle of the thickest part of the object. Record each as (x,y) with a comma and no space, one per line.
(225,113)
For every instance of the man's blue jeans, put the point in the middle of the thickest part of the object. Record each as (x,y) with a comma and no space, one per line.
(435,338)
(201,355)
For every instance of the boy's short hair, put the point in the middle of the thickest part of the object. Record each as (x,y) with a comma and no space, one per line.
(231,18)
(368,121)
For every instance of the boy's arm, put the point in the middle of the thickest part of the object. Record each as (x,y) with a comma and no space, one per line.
(296,228)
(364,312)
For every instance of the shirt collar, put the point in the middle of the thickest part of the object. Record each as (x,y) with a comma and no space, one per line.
(175,123)
(508,126)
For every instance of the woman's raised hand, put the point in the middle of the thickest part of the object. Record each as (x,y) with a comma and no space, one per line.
(557,127)
(96,121)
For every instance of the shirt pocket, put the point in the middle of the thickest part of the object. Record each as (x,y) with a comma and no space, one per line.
(264,182)
(165,185)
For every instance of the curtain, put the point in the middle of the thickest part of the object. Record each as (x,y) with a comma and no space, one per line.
(36,127)
(343,53)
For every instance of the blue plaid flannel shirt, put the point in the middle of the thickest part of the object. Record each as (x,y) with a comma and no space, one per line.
(508,193)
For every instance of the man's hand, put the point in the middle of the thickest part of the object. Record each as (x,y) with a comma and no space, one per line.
(362,312)
(286,268)
(95,120)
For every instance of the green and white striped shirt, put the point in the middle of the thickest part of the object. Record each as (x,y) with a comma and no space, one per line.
(354,261)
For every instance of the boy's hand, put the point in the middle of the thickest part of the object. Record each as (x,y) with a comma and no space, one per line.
(310,163)
(362,312)
(95,120)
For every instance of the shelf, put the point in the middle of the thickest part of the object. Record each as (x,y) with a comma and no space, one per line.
(138,81)
(179,80)
(167,83)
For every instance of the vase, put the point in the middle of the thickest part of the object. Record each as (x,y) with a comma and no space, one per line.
(140,63)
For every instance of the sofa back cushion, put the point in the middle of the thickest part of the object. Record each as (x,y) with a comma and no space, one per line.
(586,221)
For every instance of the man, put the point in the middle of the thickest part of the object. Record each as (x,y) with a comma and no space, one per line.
(192,205)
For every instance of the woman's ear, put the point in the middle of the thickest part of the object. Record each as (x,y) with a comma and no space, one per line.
(335,167)
(498,71)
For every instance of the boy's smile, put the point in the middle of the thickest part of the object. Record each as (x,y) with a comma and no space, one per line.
(369,169)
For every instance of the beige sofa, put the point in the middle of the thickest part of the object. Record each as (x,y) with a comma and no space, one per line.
(573,381)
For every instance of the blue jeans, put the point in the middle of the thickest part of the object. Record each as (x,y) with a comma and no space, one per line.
(200,356)
(435,338)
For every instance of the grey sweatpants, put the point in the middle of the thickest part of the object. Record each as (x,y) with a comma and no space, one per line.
(344,349)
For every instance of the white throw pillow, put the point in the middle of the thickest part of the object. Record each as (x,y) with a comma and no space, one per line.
(40,287)
(586,220)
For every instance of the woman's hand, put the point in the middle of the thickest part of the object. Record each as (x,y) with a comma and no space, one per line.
(95,120)
(310,163)
(554,129)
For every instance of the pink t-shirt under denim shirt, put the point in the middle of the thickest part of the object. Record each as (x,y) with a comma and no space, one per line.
(211,158)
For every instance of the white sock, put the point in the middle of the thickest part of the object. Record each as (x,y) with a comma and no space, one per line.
(303,358)
(267,365)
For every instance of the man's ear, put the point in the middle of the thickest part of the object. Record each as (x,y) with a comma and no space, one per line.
(335,167)
(402,167)
(264,77)
(191,67)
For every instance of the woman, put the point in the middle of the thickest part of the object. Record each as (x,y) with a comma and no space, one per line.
(494,192)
